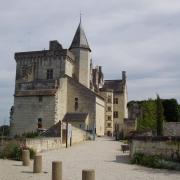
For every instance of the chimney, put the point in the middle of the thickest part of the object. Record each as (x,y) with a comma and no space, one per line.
(55,45)
(124,75)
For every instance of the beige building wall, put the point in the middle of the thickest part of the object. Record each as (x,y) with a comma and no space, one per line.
(86,100)
(121,108)
(100,116)
(82,65)
(84,68)
(61,99)
(69,68)
(27,111)
(108,96)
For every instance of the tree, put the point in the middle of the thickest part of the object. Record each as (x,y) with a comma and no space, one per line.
(171,110)
(159,116)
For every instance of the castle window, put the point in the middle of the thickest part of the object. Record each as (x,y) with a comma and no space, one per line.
(76,104)
(40,98)
(49,73)
(109,118)
(109,125)
(115,100)
(115,114)
(39,122)
(109,100)
(109,108)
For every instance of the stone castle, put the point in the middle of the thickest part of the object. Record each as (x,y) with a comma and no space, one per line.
(62,85)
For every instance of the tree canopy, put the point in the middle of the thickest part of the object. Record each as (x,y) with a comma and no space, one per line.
(147,118)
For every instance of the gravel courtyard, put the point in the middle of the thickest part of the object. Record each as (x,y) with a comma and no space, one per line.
(103,155)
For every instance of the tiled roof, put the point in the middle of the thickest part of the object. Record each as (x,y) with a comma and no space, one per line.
(78,117)
(115,85)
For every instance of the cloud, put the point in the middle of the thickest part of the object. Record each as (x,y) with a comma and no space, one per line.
(141,37)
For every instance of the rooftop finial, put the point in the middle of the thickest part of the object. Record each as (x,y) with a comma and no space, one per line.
(80,16)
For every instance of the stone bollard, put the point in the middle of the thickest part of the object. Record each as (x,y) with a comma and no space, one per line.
(88,174)
(25,157)
(56,170)
(37,167)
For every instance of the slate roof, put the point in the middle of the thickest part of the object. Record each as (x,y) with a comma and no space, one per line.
(80,40)
(115,85)
(75,117)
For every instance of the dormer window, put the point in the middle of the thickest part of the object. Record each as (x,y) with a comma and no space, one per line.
(76,104)
(49,73)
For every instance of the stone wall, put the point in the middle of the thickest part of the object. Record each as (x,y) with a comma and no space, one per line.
(43,144)
(82,66)
(54,143)
(86,100)
(164,148)
(78,135)
(108,96)
(28,110)
(171,129)
(121,108)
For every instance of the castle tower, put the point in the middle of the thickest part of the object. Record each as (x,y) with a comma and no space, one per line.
(80,48)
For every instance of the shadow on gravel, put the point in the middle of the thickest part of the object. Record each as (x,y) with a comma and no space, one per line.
(105,139)
(156,171)
(124,159)
(29,172)
(17,165)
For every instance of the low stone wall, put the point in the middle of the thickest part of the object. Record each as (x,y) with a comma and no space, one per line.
(165,148)
(78,135)
(172,128)
(53,143)
(42,144)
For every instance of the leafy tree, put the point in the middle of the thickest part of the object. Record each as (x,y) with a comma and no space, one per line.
(147,119)
(171,110)
(160,116)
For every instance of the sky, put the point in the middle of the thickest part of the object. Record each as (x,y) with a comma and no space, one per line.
(141,37)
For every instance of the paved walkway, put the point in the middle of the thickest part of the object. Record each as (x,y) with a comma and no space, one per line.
(103,155)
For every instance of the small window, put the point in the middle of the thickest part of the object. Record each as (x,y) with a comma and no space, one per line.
(115,114)
(109,118)
(109,108)
(109,125)
(49,73)
(76,105)
(109,100)
(39,122)
(40,98)
(115,100)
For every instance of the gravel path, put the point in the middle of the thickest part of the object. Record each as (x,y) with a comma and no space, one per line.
(103,155)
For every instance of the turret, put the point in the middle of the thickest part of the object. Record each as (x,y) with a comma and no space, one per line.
(80,48)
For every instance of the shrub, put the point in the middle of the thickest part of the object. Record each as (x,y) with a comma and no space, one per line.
(154,161)
(27,135)
(14,151)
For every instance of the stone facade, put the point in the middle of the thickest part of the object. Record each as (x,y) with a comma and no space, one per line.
(109,123)
(167,149)
(171,129)
(53,83)
(115,94)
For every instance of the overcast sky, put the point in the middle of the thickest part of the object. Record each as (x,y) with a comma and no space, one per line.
(141,37)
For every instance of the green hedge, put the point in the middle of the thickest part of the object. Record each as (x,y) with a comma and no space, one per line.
(14,152)
(154,161)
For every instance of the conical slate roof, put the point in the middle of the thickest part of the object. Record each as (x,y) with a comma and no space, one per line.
(80,40)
